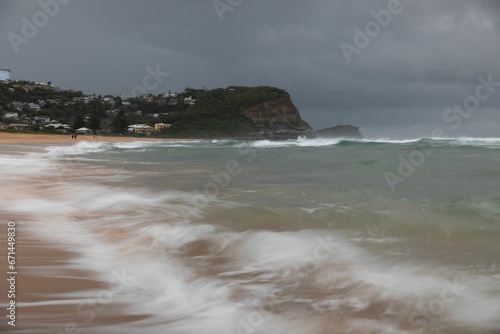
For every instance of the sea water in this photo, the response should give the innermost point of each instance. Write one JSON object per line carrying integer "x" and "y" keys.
{"x": 298, "y": 236}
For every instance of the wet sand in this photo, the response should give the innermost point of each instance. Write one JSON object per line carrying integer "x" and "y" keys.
{"x": 51, "y": 295}
{"x": 28, "y": 138}
{"x": 44, "y": 288}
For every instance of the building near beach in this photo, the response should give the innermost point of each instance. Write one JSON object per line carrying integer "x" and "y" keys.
{"x": 141, "y": 129}
{"x": 84, "y": 131}
{"x": 4, "y": 75}
{"x": 161, "y": 126}
{"x": 21, "y": 127}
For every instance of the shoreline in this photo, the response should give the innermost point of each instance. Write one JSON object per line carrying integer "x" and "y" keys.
{"x": 51, "y": 291}
{"x": 46, "y": 286}
{"x": 48, "y": 139}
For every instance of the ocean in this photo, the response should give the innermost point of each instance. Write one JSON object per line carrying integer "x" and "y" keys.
{"x": 300, "y": 236}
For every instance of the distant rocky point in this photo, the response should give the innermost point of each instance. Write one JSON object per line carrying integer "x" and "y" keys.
{"x": 339, "y": 131}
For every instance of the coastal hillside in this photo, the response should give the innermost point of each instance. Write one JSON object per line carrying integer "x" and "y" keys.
{"x": 240, "y": 112}
{"x": 233, "y": 112}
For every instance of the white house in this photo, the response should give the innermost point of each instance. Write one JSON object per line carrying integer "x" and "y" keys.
{"x": 189, "y": 101}
{"x": 12, "y": 115}
{"x": 84, "y": 131}
{"x": 109, "y": 100}
{"x": 34, "y": 107}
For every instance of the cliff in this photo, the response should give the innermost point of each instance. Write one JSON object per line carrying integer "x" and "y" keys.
{"x": 241, "y": 112}
{"x": 344, "y": 131}
{"x": 277, "y": 119}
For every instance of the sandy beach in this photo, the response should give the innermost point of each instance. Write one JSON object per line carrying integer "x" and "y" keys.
{"x": 28, "y": 138}
{"x": 42, "y": 282}
{"x": 45, "y": 286}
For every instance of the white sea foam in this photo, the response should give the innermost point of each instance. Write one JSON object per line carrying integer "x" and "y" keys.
{"x": 319, "y": 142}
{"x": 78, "y": 148}
{"x": 301, "y": 142}
{"x": 141, "y": 146}
{"x": 29, "y": 164}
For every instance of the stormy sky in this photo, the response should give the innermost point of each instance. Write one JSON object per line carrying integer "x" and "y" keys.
{"x": 394, "y": 68}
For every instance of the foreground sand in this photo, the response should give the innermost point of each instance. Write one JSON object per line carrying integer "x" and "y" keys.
{"x": 44, "y": 284}
{"x": 40, "y": 289}
{"x": 28, "y": 138}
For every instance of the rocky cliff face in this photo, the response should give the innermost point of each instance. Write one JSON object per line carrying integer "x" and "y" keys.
{"x": 277, "y": 119}
{"x": 344, "y": 131}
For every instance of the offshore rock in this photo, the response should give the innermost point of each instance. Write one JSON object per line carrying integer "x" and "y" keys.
{"x": 339, "y": 131}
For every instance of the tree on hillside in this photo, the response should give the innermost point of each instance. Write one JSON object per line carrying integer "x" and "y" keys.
{"x": 120, "y": 122}
{"x": 95, "y": 121}
{"x": 78, "y": 122}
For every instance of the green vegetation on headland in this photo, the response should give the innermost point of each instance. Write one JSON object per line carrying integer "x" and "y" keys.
{"x": 218, "y": 112}
{"x": 197, "y": 113}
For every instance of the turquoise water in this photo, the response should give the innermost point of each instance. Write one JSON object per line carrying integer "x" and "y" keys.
{"x": 303, "y": 236}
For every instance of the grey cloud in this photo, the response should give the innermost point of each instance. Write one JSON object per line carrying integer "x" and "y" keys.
{"x": 427, "y": 58}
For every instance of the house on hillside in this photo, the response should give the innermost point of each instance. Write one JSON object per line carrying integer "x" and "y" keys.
{"x": 161, "y": 101}
{"x": 161, "y": 126}
{"x": 140, "y": 129}
{"x": 109, "y": 100}
{"x": 34, "y": 106}
{"x": 21, "y": 127}
{"x": 42, "y": 119}
{"x": 11, "y": 115}
{"x": 17, "y": 105}
{"x": 84, "y": 131}
{"x": 189, "y": 101}
{"x": 147, "y": 98}
{"x": 59, "y": 127}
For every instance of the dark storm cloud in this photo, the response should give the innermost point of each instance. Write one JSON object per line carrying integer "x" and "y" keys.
{"x": 428, "y": 57}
